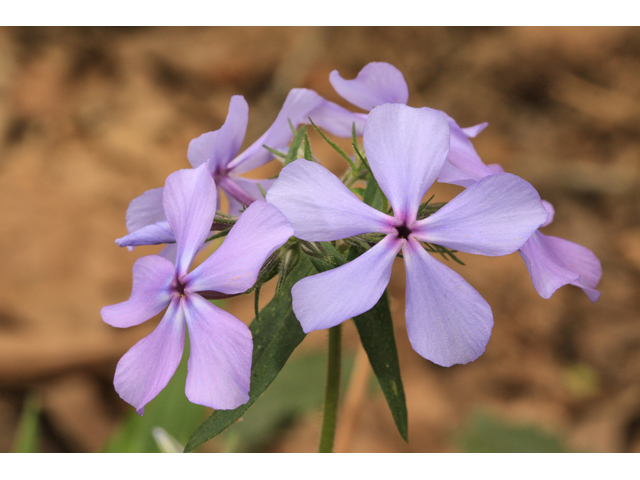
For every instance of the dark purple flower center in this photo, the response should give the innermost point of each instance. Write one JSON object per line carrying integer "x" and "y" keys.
{"x": 403, "y": 231}
{"x": 180, "y": 288}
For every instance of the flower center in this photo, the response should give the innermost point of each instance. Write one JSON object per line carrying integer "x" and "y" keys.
{"x": 403, "y": 231}
{"x": 179, "y": 287}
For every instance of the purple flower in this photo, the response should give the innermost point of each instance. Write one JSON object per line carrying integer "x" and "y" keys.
{"x": 221, "y": 345}
{"x": 146, "y": 220}
{"x": 448, "y": 322}
{"x": 552, "y": 262}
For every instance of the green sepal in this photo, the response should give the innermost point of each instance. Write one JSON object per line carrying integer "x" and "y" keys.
{"x": 275, "y": 337}
{"x": 307, "y": 149}
{"x": 276, "y": 153}
{"x": 295, "y": 145}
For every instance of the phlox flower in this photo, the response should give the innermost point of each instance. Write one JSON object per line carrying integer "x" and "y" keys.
{"x": 145, "y": 219}
{"x": 448, "y": 322}
{"x": 221, "y": 345}
{"x": 552, "y": 262}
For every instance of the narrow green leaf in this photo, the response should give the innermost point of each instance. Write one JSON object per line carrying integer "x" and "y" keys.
{"x": 375, "y": 328}
{"x": 276, "y": 153}
{"x": 295, "y": 145}
{"x": 334, "y": 146}
{"x": 275, "y": 337}
{"x": 26, "y": 439}
{"x": 307, "y": 149}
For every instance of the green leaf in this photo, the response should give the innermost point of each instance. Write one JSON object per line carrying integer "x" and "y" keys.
{"x": 275, "y": 337}
{"x": 375, "y": 328}
{"x": 295, "y": 145}
{"x": 26, "y": 440}
{"x": 334, "y": 146}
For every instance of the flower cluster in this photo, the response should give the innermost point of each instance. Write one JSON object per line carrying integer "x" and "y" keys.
{"x": 371, "y": 216}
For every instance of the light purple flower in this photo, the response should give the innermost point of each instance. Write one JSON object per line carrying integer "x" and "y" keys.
{"x": 448, "y": 322}
{"x": 379, "y": 83}
{"x": 146, "y": 222}
{"x": 221, "y": 345}
{"x": 552, "y": 262}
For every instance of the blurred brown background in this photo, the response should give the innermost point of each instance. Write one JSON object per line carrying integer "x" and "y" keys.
{"x": 91, "y": 118}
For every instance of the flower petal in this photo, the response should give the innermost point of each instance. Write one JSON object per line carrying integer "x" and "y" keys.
{"x": 337, "y": 120}
{"x": 406, "y": 148}
{"x": 329, "y": 298}
{"x": 234, "y": 266}
{"x": 473, "y": 131}
{"x": 153, "y": 234}
{"x": 149, "y": 365}
{"x": 220, "y": 358}
{"x": 448, "y": 321}
{"x": 375, "y": 84}
{"x": 553, "y": 262}
{"x": 190, "y": 204}
{"x": 219, "y": 147}
{"x": 145, "y": 210}
{"x": 150, "y": 294}
{"x": 320, "y": 207}
{"x": 296, "y": 108}
{"x": 494, "y": 216}
{"x": 241, "y": 191}
{"x": 463, "y": 155}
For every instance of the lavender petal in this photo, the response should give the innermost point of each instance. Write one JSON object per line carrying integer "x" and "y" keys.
{"x": 234, "y": 266}
{"x": 190, "y": 204}
{"x": 329, "y": 298}
{"x": 150, "y": 294}
{"x": 320, "y": 207}
{"x": 219, "y": 147}
{"x": 220, "y": 358}
{"x": 494, "y": 216}
{"x": 375, "y": 84}
{"x": 149, "y": 365}
{"x": 406, "y": 148}
{"x": 448, "y": 321}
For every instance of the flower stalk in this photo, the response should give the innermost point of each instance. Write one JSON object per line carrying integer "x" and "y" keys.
{"x": 332, "y": 391}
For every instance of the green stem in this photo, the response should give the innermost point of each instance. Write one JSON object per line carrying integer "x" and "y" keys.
{"x": 331, "y": 394}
